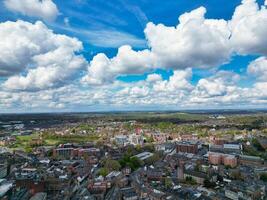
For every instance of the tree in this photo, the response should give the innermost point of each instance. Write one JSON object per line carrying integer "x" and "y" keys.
{"x": 198, "y": 167}
{"x": 256, "y": 144}
{"x": 149, "y": 139}
{"x": 138, "y": 148}
{"x": 149, "y": 147}
{"x": 263, "y": 177}
{"x": 130, "y": 150}
{"x": 190, "y": 180}
{"x": 132, "y": 162}
{"x": 73, "y": 130}
{"x": 151, "y": 160}
{"x": 168, "y": 182}
{"x": 103, "y": 171}
{"x": 208, "y": 184}
{"x": 135, "y": 163}
{"x": 112, "y": 165}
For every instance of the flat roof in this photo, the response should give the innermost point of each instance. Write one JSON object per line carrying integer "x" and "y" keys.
{"x": 144, "y": 155}
{"x": 4, "y": 188}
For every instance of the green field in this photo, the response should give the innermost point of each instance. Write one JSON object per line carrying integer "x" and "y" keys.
{"x": 25, "y": 142}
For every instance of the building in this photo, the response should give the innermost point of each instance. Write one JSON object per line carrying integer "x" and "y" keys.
{"x": 3, "y": 170}
{"x": 126, "y": 171}
{"x": 187, "y": 147}
{"x": 199, "y": 177}
{"x": 230, "y": 160}
{"x": 5, "y": 188}
{"x": 121, "y": 140}
{"x": 29, "y": 179}
{"x": 63, "y": 152}
{"x": 128, "y": 194}
{"x": 39, "y": 196}
{"x": 165, "y": 147}
{"x": 215, "y": 158}
{"x": 154, "y": 175}
{"x": 232, "y": 148}
{"x": 98, "y": 189}
{"x": 188, "y": 137}
{"x": 135, "y": 139}
{"x": 88, "y": 152}
{"x": 114, "y": 176}
{"x": 159, "y": 137}
{"x": 180, "y": 170}
{"x": 219, "y": 158}
{"x": 226, "y": 148}
{"x": 216, "y": 148}
{"x": 21, "y": 194}
{"x": 250, "y": 160}
{"x": 144, "y": 155}
{"x": 219, "y": 141}
{"x": 250, "y": 191}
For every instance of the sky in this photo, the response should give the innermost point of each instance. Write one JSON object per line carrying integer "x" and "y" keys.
{"x": 98, "y": 55}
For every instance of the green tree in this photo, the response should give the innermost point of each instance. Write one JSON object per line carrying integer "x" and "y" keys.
{"x": 190, "y": 180}
{"x": 103, "y": 171}
{"x": 263, "y": 177}
{"x": 132, "y": 162}
{"x": 112, "y": 165}
{"x": 151, "y": 160}
{"x": 168, "y": 182}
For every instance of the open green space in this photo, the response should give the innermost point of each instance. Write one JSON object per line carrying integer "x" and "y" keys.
{"x": 50, "y": 139}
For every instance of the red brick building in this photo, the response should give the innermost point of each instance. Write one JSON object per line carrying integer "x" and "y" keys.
{"x": 187, "y": 147}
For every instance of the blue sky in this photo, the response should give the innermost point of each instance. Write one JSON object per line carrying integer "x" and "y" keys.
{"x": 200, "y": 59}
{"x": 121, "y": 16}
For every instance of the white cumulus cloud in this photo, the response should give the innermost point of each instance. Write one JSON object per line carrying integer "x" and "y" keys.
{"x": 35, "y": 58}
{"x": 127, "y": 61}
{"x": 248, "y": 27}
{"x": 45, "y": 9}
{"x": 258, "y": 68}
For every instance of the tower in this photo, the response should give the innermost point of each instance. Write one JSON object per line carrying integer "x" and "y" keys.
{"x": 180, "y": 170}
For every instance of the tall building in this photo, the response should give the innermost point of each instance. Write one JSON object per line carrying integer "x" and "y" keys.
{"x": 180, "y": 170}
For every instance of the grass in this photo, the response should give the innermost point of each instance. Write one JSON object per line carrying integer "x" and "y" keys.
{"x": 24, "y": 142}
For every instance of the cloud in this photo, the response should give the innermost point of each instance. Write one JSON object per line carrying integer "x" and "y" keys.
{"x": 66, "y": 21}
{"x": 194, "y": 42}
{"x": 180, "y": 80}
{"x": 216, "y": 85}
{"x": 137, "y": 12}
{"x": 46, "y": 59}
{"x": 154, "y": 78}
{"x": 260, "y": 90}
{"x": 43, "y": 69}
{"x": 44, "y": 9}
{"x": 127, "y": 61}
{"x": 258, "y": 69}
{"x": 220, "y": 90}
{"x": 107, "y": 38}
{"x": 113, "y": 38}
{"x": 53, "y": 69}
{"x": 248, "y": 27}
